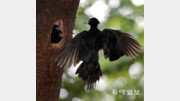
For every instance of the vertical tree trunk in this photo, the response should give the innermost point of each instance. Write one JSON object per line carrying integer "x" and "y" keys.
{"x": 48, "y": 76}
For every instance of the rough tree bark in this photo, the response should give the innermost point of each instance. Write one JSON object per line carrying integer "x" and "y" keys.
{"x": 48, "y": 76}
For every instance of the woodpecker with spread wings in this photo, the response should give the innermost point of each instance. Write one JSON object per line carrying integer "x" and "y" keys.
{"x": 86, "y": 45}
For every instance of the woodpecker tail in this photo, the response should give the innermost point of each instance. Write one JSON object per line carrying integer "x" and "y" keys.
{"x": 89, "y": 73}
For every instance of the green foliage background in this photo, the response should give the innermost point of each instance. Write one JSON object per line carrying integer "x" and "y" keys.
{"x": 116, "y": 75}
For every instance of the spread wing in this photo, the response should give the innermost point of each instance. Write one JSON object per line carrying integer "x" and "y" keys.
{"x": 117, "y": 44}
{"x": 71, "y": 52}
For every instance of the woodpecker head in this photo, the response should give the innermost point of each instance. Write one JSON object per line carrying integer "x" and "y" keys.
{"x": 93, "y": 22}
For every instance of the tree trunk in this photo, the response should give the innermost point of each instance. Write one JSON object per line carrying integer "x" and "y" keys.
{"x": 48, "y": 76}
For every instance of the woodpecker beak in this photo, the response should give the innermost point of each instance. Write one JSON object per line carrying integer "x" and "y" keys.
{"x": 85, "y": 22}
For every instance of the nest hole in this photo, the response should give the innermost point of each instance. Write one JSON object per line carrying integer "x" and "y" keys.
{"x": 56, "y": 33}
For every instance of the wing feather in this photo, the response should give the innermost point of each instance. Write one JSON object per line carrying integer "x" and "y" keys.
{"x": 128, "y": 45}
{"x": 69, "y": 53}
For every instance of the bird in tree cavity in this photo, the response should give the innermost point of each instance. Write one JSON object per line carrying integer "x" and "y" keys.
{"x": 56, "y": 35}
